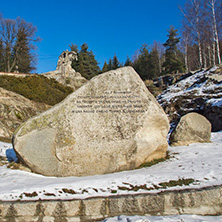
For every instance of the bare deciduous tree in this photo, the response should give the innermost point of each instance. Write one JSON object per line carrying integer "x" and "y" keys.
{"x": 211, "y": 4}
{"x": 17, "y": 37}
{"x": 161, "y": 53}
{"x": 8, "y": 34}
{"x": 200, "y": 28}
{"x": 193, "y": 21}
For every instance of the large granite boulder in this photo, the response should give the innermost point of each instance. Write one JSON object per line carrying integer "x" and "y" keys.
{"x": 112, "y": 123}
{"x": 192, "y": 128}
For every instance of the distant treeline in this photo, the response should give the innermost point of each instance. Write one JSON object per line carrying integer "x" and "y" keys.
{"x": 197, "y": 45}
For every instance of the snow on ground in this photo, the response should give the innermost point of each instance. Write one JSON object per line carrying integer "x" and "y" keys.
{"x": 198, "y": 164}
{"x": 175, "y": 218}
{"x": 4, "y": 147}
{"x": 195, "y": 85}
{"x": 215, "y": 102}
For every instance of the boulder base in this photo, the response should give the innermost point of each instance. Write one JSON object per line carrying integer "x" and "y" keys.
{"x": 112, "y": 123}
{"x": 192, "y": 128}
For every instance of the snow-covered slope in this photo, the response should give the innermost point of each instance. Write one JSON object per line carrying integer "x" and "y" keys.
{"x": 174, "y": 218}
{"x": 200, "y": 92}
{"x": 197, "y": 165}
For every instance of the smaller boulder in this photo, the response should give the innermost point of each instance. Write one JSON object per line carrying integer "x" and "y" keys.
{"x": 192, "y": 128}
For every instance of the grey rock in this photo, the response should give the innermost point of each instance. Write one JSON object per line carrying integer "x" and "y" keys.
{"x": 64, "y": 72}
{"x": 110, "y": 124}
{"x": 192, "y": 128}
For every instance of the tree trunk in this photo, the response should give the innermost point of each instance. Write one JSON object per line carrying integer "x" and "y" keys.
{"x": 216, "y": 40}
{"x": 200, "y": 51}
{"x": 209, "y": 55}
{"x": 186, "y": 57}
{"x": 204, "y": 57}
{"x": 213, "y": 54}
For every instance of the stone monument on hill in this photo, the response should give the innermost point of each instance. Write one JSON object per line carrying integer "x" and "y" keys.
{"x": 64, "y": 72}
{"x": 110, "y": 124}
{"x": 64, "y": 64}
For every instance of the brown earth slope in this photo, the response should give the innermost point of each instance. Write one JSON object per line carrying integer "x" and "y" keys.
{"x": 14, "y": 110}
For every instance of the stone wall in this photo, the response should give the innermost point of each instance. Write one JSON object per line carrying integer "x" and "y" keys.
{"x": 207, "y": 201}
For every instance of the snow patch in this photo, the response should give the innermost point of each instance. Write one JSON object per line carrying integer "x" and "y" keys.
{"x": 215, "y": 102}
{"x": 198, "y": 163}
{"x": 4, "y": 147}
{"x": 174, "y": 218}
{"x": 195, "y": 85}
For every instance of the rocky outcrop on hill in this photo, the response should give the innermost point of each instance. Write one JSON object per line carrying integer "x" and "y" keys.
{"x": 112, "y": 123}
{"x": 14, "y": 110}
{"x": 64, "y": 72}
{"x": 199, "y": 92}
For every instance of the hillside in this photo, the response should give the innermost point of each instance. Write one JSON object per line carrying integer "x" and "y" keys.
{"x": 14, "y": 110}
{"x": 36, "y": 87}
{"x": 23, "y": 96}
{"x": 200, "y": 92}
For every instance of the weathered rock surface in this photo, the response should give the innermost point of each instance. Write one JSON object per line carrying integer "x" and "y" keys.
{"x": 64, "y": 72}
{"x": 110, "y": 124}
{"x": 200, "y": 92}
{"x": 192, "y": 128}
{"x": 213, "y": 112}
{"x": 16, "y": 109}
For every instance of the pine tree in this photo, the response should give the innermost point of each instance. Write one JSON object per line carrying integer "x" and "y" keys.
{"x": 74, "y": 47}
{"x": 154, "y": 63}
{"x": 86, "y": 63}
{"x": 75, "y": 62}
{"x": 128, "y": 62}
{"x": 22, "y": 53}
{"x": 172, "y": 63}
{"x": 142, "y": 63}
{"x": 105, "y": 67}
{"x": 115, "y": 62}
{"x": 110, "y": 64}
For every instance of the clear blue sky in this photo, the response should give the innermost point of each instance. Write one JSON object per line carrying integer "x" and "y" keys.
{"x": 108, "y": 27}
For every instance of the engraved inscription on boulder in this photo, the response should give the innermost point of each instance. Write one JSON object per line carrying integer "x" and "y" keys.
{"x": 110, "y": 124}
